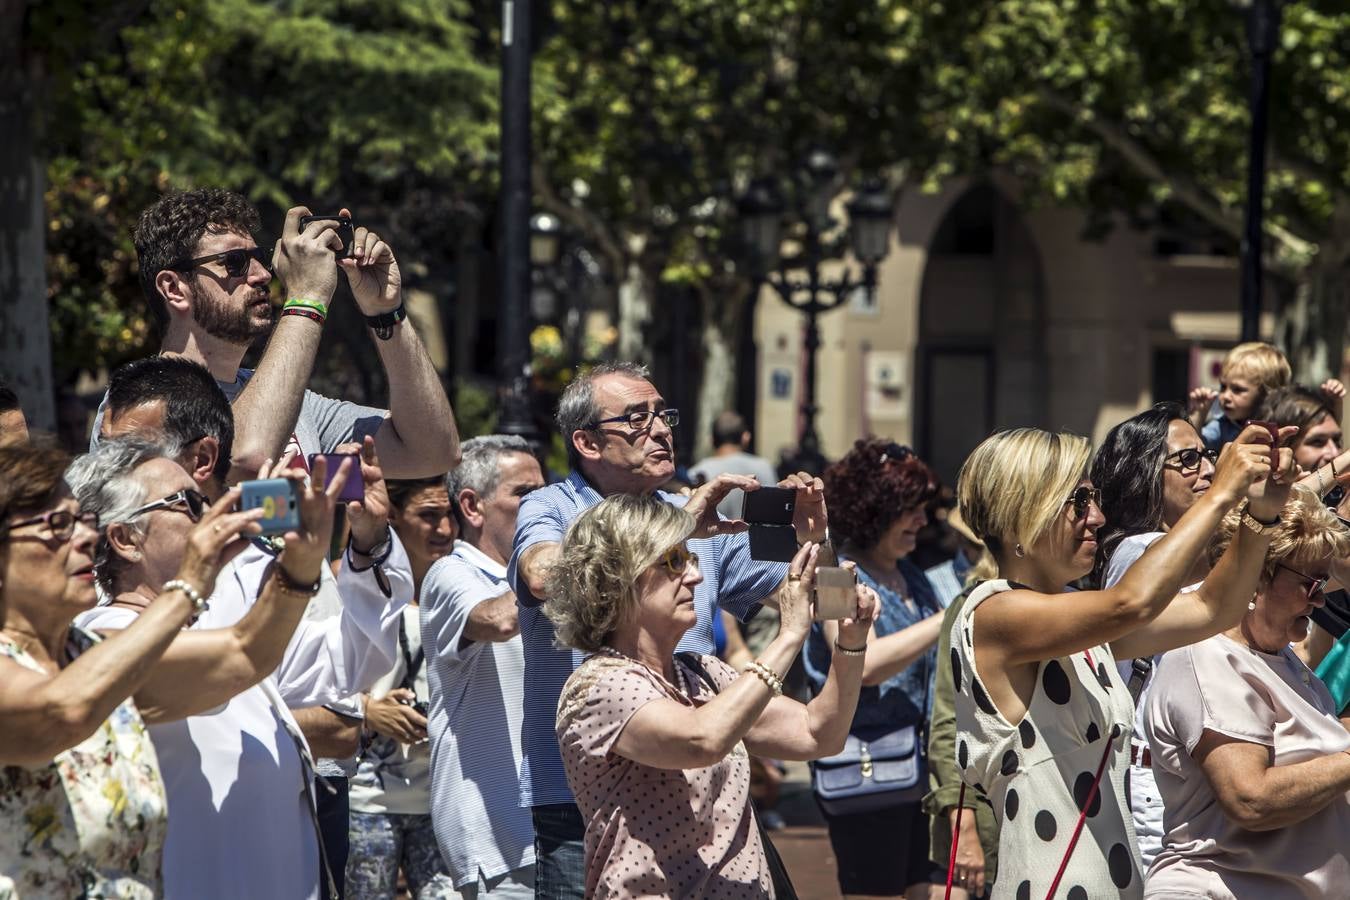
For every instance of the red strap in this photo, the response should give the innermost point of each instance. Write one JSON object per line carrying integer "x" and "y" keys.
{"x": 956, "y": 838}
{"x": 1082, "y": 817}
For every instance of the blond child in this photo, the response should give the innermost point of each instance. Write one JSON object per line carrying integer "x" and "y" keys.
{"x": 1249, "y": 372}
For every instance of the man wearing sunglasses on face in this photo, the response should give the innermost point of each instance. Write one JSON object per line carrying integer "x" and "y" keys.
{"x": 208, "y": 285}
{"x": 620, "y": 440}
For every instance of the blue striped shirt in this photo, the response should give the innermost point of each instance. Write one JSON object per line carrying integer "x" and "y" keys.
{"x": 731, "y": 579}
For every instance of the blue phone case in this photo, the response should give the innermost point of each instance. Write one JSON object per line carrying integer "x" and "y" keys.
{"x": 277, "y": 498}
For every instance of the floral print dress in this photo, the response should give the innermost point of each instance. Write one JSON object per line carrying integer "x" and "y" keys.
{"x": 90, "y": 823}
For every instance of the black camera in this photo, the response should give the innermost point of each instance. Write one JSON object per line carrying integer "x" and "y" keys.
{"x": 344, "y": 231}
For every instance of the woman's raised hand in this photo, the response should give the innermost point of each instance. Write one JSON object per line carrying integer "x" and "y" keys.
{"x": 854, "y": 632}
{"x": 1243, "y": 463}
{"x": 796, "y": 595}
{"x": 218, "y": 538}
{"x": 307, "y": 546}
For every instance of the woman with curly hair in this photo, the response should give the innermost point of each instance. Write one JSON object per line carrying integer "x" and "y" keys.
{"x": 655, "y": 743}
{"x": 878, "y": 495}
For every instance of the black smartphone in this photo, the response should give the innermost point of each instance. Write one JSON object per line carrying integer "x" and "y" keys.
{"x": 769, "y": 506}
{"x": 344, "y": 231}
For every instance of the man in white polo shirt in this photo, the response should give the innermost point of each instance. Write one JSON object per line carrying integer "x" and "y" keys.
{"x": 475, "y": 666}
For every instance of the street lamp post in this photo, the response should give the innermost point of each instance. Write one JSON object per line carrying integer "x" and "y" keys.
{"x": 797, "y": 279}
{"x": 1263, "y": 26}
{"x": 513, "y": 330}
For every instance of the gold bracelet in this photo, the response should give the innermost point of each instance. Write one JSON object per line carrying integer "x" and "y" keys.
{"x": 766, "y": 675}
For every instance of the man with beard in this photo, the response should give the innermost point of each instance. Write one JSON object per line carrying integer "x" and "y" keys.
{"x": 620, "y": 440}
{"x": 207, "y": 285}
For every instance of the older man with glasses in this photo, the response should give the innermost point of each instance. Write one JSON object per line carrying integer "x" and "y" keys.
{"x": 618, "y": 432}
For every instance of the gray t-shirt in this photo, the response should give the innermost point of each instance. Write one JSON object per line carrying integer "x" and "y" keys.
{"x": 735, "y": 464}
{"x": 324, "y": 423}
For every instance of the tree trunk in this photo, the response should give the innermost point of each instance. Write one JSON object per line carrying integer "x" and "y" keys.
{"x": 637, "y": 291}
{"x": 25, "y": 328}
{"x": 1311, "y": 324}
{"x": 723, "y": 306}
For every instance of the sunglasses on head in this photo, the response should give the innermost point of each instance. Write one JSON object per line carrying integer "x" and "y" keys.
{"x": 1312, "y": 584}
{"x": 1080, "y": 499}
{"x": 236, "y": 261}
{"x": 1188, "y": 460}
{"x": 678, "y": 558}
{"x": 187, "y": 501}
{"x": 895, "y": 452}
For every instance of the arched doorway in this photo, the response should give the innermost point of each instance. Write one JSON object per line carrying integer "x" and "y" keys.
{"x": 981, "y": 358}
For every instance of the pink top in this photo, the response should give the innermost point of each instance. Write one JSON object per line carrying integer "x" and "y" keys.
{"x": 656, "y": 832}
{"x": 1271, "y": 699}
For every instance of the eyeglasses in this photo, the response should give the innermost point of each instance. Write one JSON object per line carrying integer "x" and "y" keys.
{"x": 1080, "y": 499}
{"x": 678, "y": 558}
{"x": 1312, "y": 584}
{"x": 194, "y": 504}
{"x": 1188, "y": 460}
{"x": 60, "y": 522}
{"x": 895, "y": 453}
{"x": 642, "y": 419}
{"x": 236, "y": 261}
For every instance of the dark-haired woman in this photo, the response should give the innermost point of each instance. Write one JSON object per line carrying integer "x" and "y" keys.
{"x": 878, "y": 494}
{"x": 1318, "y": 440}
{"x": 1151, "y": 469}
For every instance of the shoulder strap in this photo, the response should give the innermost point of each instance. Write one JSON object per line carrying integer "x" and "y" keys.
{"x": 412, "y": 662}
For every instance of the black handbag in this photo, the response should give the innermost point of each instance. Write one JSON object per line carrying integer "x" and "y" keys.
{"x": 877, "y": 769}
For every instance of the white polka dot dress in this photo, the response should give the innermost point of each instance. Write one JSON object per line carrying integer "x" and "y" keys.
{"x": 1038, "y": 774}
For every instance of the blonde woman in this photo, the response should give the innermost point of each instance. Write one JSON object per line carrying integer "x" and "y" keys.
{"x": 1043, "y": 718}
{"x": 1250, "y": 758}
{"x": 654, "y": 745}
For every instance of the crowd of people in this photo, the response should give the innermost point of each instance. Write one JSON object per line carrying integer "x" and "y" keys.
{"x": 447, "y": 675}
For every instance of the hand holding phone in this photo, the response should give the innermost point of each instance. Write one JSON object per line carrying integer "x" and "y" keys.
{"x": 278, "y": 500}
{"x": 769, "y": 512}
{"x": 354, "y": 490}
{"x": 343, "y": 231}
{"x": 1274, "y": 430}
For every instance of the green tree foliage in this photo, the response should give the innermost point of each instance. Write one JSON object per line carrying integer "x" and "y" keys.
{"x": 1134, "y": 106}
{"x": 379, "y": 105}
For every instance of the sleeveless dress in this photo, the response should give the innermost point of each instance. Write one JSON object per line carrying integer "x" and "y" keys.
{"x": 91, "y": 822}
{"x": 1039, "y": 772}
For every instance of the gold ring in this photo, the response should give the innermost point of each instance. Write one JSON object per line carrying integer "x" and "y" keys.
{"x": 218, "y": 527}
{"x": 794, "y": 576}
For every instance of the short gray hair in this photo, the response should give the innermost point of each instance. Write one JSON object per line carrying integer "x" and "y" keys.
{"x": 480, "y": 467}
{"x": 104, "y": 482}
{"x": 577, "y": 409}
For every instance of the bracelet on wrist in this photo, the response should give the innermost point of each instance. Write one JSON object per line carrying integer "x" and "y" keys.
{"x": 288, "y": 585}
{"x": 306, "y": 313}
{"x": 302, "y": 303}
{"x": 766, "y": 675}
{"x": 199, "y": 604}
{"x": 1255, "y": 525}
{"x": 851, "y": 651}
{"x": 383, "y": 324}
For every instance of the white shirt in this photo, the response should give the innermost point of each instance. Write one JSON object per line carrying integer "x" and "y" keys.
{"x": 476, "y": 711}
{"x": 238, "y": 826}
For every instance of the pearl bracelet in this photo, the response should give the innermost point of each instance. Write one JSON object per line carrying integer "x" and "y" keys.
{"x": 767, "y": 675}
{"x": 194, "y": 596}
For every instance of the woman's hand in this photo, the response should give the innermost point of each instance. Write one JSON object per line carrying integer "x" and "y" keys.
{"x": 394, "y": 716}
{"x": 809, "y": 518}
{"x": 1242, "y": 463}
{"x": 219, "y": 537}
{"x": 306, "y": 547}
{"x": 968, "y": 872}
{"x": 369, "y": 518}
{"x": 853, "y": 633}
{"x": 795, "y": 596}
{"x": 1269, "y": 495}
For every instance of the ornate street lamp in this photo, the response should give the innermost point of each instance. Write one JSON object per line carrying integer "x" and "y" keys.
{"x": 1263, "y": 30}
{"x": 797, "y": 279}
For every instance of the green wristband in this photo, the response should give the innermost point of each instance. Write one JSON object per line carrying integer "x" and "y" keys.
{"x": 320, "y": 308}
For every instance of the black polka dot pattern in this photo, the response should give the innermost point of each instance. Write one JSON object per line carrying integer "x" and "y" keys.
{"x": 1027, "y": 732}
{"x": 1093, "y": 733}
{"x": 1129, "y": 796}
{"x": 1009, "y": 764}
{"x": 1010, "y": 804}
{"x": 1024, "y": 891}
{"x": 1046, "y": 826}
{"x": 963, "y": 753}
{"x": 981, "y": 698}
{"x": 1077, "y": 893}
{"x": 1120, "y": 864}
{"x": 956, "y": 669}
{"x": 1082, "y": 786}
{"x": 1056, "y": 683}
{"x": 1102, "y": 676}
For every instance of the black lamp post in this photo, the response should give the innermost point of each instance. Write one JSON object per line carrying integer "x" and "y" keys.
{"x": 513, "y": 331}
{"x": 797, "y": 278}
{"x": 1263, "y": 28}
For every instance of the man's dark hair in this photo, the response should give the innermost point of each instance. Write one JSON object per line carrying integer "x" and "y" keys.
{"x": 728, "y": 428}
{"x": 8, "y": 399}
{"x": 194, "y": 405}
{"x": 168, "y": 231}
{"x": 1128, "y": 470}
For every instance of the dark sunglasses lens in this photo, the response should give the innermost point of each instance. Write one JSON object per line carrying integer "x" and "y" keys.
{"x": 196, "y": 504}
{"x": 236, "y": 262}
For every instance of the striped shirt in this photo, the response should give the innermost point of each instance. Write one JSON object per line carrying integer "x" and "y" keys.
{"x": 731, "y": 579}
{"x": 474, "y": 723}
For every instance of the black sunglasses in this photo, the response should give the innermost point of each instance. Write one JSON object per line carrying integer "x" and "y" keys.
{"x": 1311, "y": 583}
{"x": 1080, "y": 499}
{"x": 1188, "y": 460}
{"x": 236, "y": 261}
{"x": 60, "y": 522}
{"x": 895, "y": 452}
{"x": 187, "y": 501}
